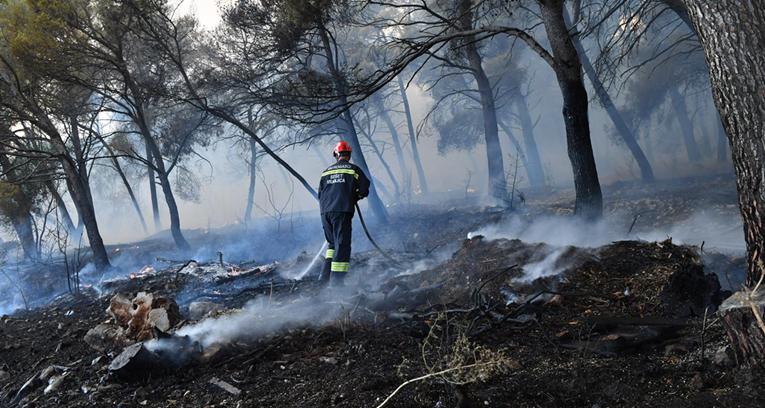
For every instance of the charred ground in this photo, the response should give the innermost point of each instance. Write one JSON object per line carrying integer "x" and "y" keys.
{"x": 560, "y": 349}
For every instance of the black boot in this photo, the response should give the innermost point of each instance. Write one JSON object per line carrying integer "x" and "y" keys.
{"x": 337, "y": 280}
{"x": 326, "y": 270}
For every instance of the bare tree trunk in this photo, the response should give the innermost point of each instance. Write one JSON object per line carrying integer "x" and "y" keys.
{"x": 473, "y": 162}
{"x": 517, "y": 146}
{"x": 679, "y": 8}
{"x": 722, "y": 143}
{"x": 705, "y": 144}
{"x": 81, "y": 199}
{"x": 497, "y": 184}
{"x": 253, "y": 168}
{"x": 125, "y": 182}
{"x": 24, "y": 230}
{"x": 79, "y": 156}
{"x": 61, "y": 204}
{"x": 253, "y": 174}
{"x": 153, "y": 191}
{"x": 384, "y": 190}
{"x": 646, "y": 172}
{"x": 167, "y": 190}
{"x": 536, "y": 172}
{"x": 133, "y": 198}
{"x": 648, "y": 145}
{"x": 589, "y": 198}
{"x": 412, "y": 137}
{"x": 731, "y": 35}
{"x": 393, "y": 135}
{"x": 383, "y": 161}
{"x": 22, "y": 221}
{"x": 172, "y": 206}
{"x": 686, "y": 126}
{"x": 75, "y": 183}
{"x": 358, "y": 157}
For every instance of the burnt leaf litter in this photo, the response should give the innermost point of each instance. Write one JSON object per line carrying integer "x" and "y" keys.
{"x": 622, "y": 324}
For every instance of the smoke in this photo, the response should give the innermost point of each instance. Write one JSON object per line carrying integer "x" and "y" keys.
{"x": 544, "y": 268}
{"x": 259, "y": 318}
{"x": 716, "y": 231}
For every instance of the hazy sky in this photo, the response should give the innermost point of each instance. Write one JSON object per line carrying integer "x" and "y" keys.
{"x": 206, "y": 10}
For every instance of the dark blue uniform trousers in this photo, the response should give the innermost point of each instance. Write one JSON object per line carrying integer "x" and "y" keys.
{"x": 337, "y": 231}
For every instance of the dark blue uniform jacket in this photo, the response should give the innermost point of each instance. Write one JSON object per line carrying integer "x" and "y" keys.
{"x": 341, "y": 186}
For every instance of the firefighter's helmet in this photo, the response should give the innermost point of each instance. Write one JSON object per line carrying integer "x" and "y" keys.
{"x": 341, "y": 147}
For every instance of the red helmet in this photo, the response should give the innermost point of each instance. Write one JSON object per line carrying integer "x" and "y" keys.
{"x": 342, "y": 147}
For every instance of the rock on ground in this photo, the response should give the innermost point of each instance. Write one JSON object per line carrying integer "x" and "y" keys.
{"x": 198, "y": 310}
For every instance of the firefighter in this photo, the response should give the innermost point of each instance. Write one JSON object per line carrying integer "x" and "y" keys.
{"x": 341, "y": 186}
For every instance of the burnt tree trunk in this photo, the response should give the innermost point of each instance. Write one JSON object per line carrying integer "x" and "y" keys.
{"x": 24, "y": 228}
{"x": 705, "y": 144}
{"x": 473, "y": 162}
{"x": 79, "y": 156}
{"x": 253, "y": 177}
{"x": 66, "y": 218}
{"x": 126, "y": 183}
{"x": 517, "y": 146}
{"x": 679, "y": 8}
{"x": 536, "y": 172}
{"x": 79, "y": 192}
{"x": 412, "y": 137}
{"x": 646, "y": 172}
{"x": 394, "y": 136}
{"x": 722, "y": 143}
{"x": 153, "y": 190}
{"x": 743, "y": 328}
{"x": 252, "y": 169}
{"x": 648, "y": 145}
{"x": 379, "y": 155}
{"x": 731, "y": 35}
{"x": 568, "y": 71}
{"x": 80, "y": 195}
{"x": 686, "y": 126}
{"x": 375, "y": 203}
{"x": 164, "y": 182}
{"x": 497, "y": 184}
{"x": 22, "y": 220}
{"x": 384, "y": 190}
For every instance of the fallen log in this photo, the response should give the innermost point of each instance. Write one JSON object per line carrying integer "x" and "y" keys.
{"x": 742, "y": 314}
{"x": 264, "y": 286}
{"x": 170, "y": 261}
{"x": 219, "y": 280}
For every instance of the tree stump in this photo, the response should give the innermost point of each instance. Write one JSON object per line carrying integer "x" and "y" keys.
{"x": 744, "y": 332}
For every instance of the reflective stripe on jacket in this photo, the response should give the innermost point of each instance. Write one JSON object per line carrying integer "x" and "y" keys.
{"x": 341, "y": 186}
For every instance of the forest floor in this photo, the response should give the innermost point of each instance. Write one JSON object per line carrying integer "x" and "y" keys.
{"x": 573, "y": 325}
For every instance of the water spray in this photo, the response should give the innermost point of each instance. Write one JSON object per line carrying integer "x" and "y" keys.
{"x": 315, "y": 258}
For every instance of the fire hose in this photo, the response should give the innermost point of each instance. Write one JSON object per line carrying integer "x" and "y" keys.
{"x": 374, "y": 244}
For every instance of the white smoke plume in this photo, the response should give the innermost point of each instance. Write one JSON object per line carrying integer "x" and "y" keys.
{"x": 716, "y": 232}
{"x": 544, "y": 268}
{"x": 259, "y": 318}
